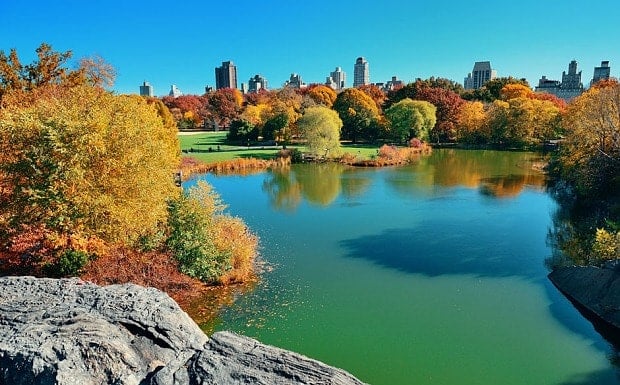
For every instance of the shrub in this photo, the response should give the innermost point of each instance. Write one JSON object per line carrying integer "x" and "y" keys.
{"x": 415, "y": 143}
{"x": 606, "y": 245}
{"x": 70, "y": 263}
{"x": 208, "y": 244}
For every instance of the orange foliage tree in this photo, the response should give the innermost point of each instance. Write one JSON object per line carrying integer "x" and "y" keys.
{"x": 322, "y": 95}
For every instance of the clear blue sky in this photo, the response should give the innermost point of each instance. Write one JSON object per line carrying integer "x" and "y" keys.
{"x": 181, "y": 42}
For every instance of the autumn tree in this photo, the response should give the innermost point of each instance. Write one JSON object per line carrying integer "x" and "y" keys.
{"x": 207, "y": 243}
{"x": 84, "y": 162}
{"x": 590, "y": 156}
{"x": 322, "y": 95}
{"x": 256, "y": 114}
{"x": 471, "y": 123}
{"x": 189, "y": 110}
{"x": 447, "y": 102}
{"x": 498, "y": 121}
{"x": 97, "y": 72}
{"x": 444, "y": 83}
{"x": 410, "y": 119}
{"x": 287, "y": 103}
{"x": 48, "y": 69}
{"x": 558, "y": 102}
{"x": 515, "y": 90}
{"x": 225, "y": 105}
{"x": 531, "y": 121}
{"x": 376, "y": 93}
{"x": 359, "y": 114}
{"x": 522, "y": 121}
{"x": 320, "y": 126}
{"x": 494, "y": 86}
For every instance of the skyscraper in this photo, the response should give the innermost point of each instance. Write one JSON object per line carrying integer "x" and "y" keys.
{"x": 602, "y": 72}
{"x": 146, "y": 89}
{"x": 175, "y": 91}
{"x": 257, "y": 83}
{"x": 226, "y": 75}
{"x": 567, "y": 89}
{"x": 481, "y": 74}
{"x": 339, "y": 77}
{"x": 361, "y": 75}
{"x": 295, "y": 81}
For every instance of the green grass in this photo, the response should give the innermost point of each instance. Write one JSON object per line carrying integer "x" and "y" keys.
{"x": 220, "y": 151}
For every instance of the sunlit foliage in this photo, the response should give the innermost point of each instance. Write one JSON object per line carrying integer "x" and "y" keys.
{"x": 411, "y": 119}
{"x": 321, "y": 126}
{"x": 359, "y": 114}
{"x": 78, "y": 162}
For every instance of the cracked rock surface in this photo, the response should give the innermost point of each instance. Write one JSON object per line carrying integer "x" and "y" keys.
{"x": 66, "y": 331}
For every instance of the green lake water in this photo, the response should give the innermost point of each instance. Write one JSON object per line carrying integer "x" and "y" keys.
{"x": 432, "y": 273}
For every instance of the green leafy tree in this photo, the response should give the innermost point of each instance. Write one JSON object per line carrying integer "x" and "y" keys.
{"x": 411, "y": 119}
{"x": 191, "y": 222}
{"x": 321, "y": 128}
{"x": 242, "y": 130}
{"x": 275, "y": 126}
{"x": 359, "y": 114}
{"x": 448, "y": 105}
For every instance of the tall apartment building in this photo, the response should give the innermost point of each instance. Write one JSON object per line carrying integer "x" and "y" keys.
{"x": 602, "y": 72}
{"x": 226, "y": 75}
{"x": 175, "y": 92}
{"x": 257, "y": 83}
{"x": 361, "y": 74}
{"x": 567, "y": 89}
{"x": 481, "y": 74}
{"x": 146, "y": 89}
{"x": 295, "y": 81}
{"x": 394, "y": 84}
{"x": 339, "y": 78}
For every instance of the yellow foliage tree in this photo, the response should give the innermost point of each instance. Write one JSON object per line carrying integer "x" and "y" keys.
{"x": 323, "y": 95}
{"x": 591, "y": 151}
{"x": 85, "y": 161}
{"x": 471, "y": 123}
{"x": 515, "y": 90}
{"x": 256, "y": 114}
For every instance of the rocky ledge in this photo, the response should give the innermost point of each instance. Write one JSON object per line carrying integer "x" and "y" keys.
{"x": 71, "y": 332}
{"x": 596, "y": 289}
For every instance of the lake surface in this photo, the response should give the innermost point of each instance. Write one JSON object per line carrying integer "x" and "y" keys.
{"x": 432, "y": 273}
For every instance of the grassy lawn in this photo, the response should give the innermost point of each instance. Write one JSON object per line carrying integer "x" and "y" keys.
{"x": 200, "y": 144}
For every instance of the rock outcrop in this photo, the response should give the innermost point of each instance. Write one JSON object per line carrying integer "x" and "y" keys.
{"x": 71, "y": 332}
{"x": 596, "y": 289}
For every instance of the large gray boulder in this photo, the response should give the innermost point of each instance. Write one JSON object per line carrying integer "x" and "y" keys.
{"x": 596, "y": 289}
{"x": 71, "y": 332}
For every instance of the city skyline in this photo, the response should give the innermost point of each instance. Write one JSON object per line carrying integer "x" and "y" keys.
{"x": 144, "y": 42}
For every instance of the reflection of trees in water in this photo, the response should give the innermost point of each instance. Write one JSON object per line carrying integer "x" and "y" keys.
{"x": 205, "y": 308}
{"x": 283, "y": 190}
{"x": 498, "y": 174}
{"x": 319, "y": 184}
{"x": 354, "y": 183}
{"x": 573, "y": 227}
{"x": 510, "y": 185}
